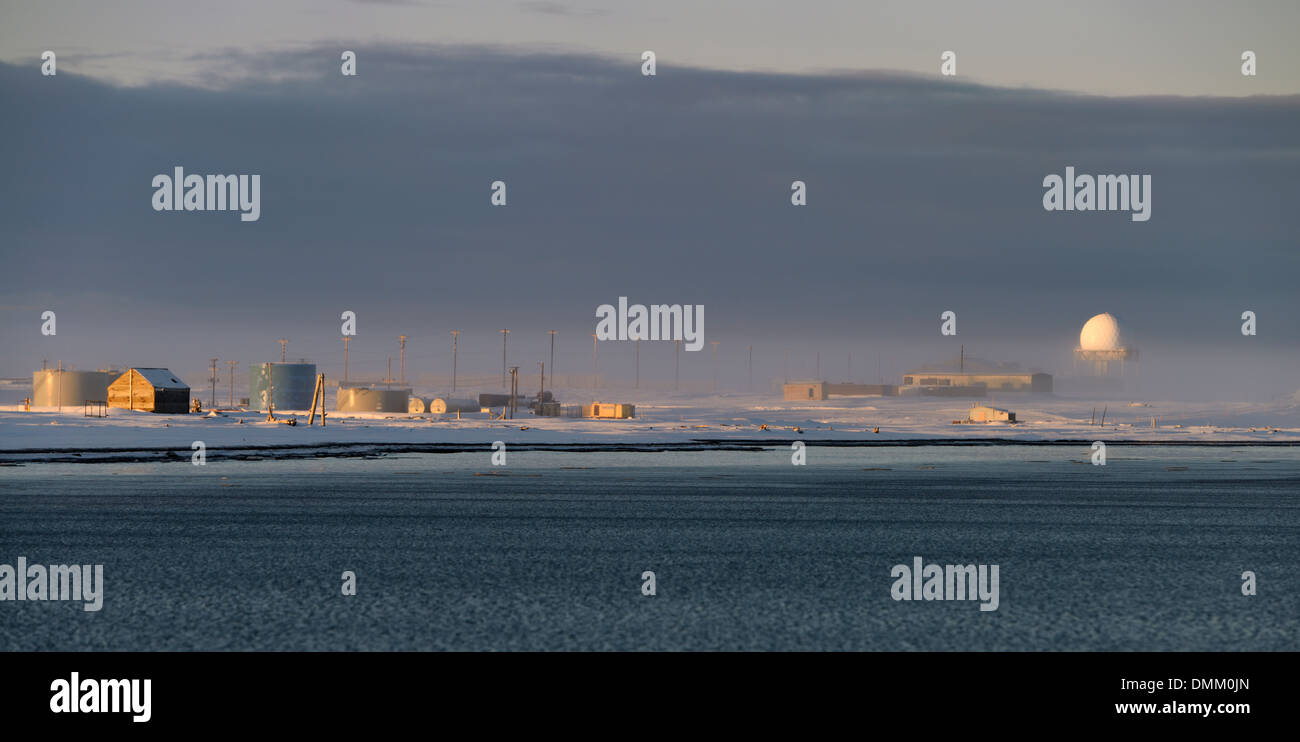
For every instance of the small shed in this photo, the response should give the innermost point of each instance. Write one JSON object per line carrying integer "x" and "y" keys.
{"x": 609, "y": 410}
{"x": 984, "y": 414}
{"x": 150, "y": 390}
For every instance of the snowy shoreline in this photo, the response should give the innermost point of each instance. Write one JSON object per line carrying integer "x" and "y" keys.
{"x": 719, "y": 422}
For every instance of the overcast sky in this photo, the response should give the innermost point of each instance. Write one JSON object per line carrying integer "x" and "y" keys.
{"x": 1108, "y": 47}
{"x": 925, "y": 192}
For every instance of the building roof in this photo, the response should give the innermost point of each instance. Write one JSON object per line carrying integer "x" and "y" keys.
{"x": 161, "y": 378}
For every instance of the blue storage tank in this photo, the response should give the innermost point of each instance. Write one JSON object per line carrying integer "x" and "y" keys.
{"x": 293, "y": 385}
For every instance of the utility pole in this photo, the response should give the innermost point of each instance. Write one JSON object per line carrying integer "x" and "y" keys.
{"x": 345, "y": 358}
{"x": 595, "y": 364}
{"x": 455, "y": 336}
{"x": 283, "y": 344}
{"x": 552, "y": 332}
{"x": 232, "y": 365}
{"x": 637, "y": 344}
{"x": 402, "y": 339}
{"x": 504, "y": 335}
{"x": 541, "y": 392}
{"x": 213, "y": 402}
{"x": 514, "y": 390}
{"x": 714, "y": 343}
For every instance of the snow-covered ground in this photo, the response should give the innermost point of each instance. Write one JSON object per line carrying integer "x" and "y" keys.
{"x": 668, "y": 419}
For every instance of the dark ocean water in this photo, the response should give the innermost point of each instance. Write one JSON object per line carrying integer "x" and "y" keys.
{"x": 1145, "y": 553}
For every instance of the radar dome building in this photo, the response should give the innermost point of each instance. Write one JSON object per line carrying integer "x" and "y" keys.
{"x": 1102, "y": 344}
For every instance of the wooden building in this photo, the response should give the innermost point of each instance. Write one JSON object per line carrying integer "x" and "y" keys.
{"x": 149, "y": 390}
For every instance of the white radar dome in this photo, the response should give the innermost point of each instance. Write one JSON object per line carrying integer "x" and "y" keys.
{"x": 1101, "y": 333}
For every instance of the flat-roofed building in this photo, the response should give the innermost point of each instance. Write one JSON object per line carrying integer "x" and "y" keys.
{"x": 804, "y": 391}
{"x": 981, "y": 413}
{"x": 991, "y": 381}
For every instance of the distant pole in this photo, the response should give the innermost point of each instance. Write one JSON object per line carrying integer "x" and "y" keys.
{"x": 402, "y": 340}
{"x": 232, "y": 381}
{"x": 455, "y": 336}
{"x": 283, "y": 344}
{"x": 552, "y": 332}
{"x": 388, "y": 377}
{"x": 213, "y": 402}
{"x": 345, "y": 358}
{"x": 59, "y": 387}
{"x": 541, "y": 391}
{"x": 514, "y": 389}
{"x": 715, "y": 365}
{"x": 637, "y": 345}
{"x": 595, "y": 364}
{"x": 504, "y": 334}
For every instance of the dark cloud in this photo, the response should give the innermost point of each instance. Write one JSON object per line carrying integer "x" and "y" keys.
{"x": 924, "y": 195}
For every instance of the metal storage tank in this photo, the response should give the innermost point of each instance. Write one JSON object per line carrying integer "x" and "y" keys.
{"x": 52, "y": 387}
{"x": 293, "y": 384}
{"x": 442, "y": 405}
{"x": 364, "y": 399}
{"x": 415, "y": 406}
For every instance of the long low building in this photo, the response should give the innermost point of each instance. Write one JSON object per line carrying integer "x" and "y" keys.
{"x": 796, "y": 391}
{"x": 991, "y": 381}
